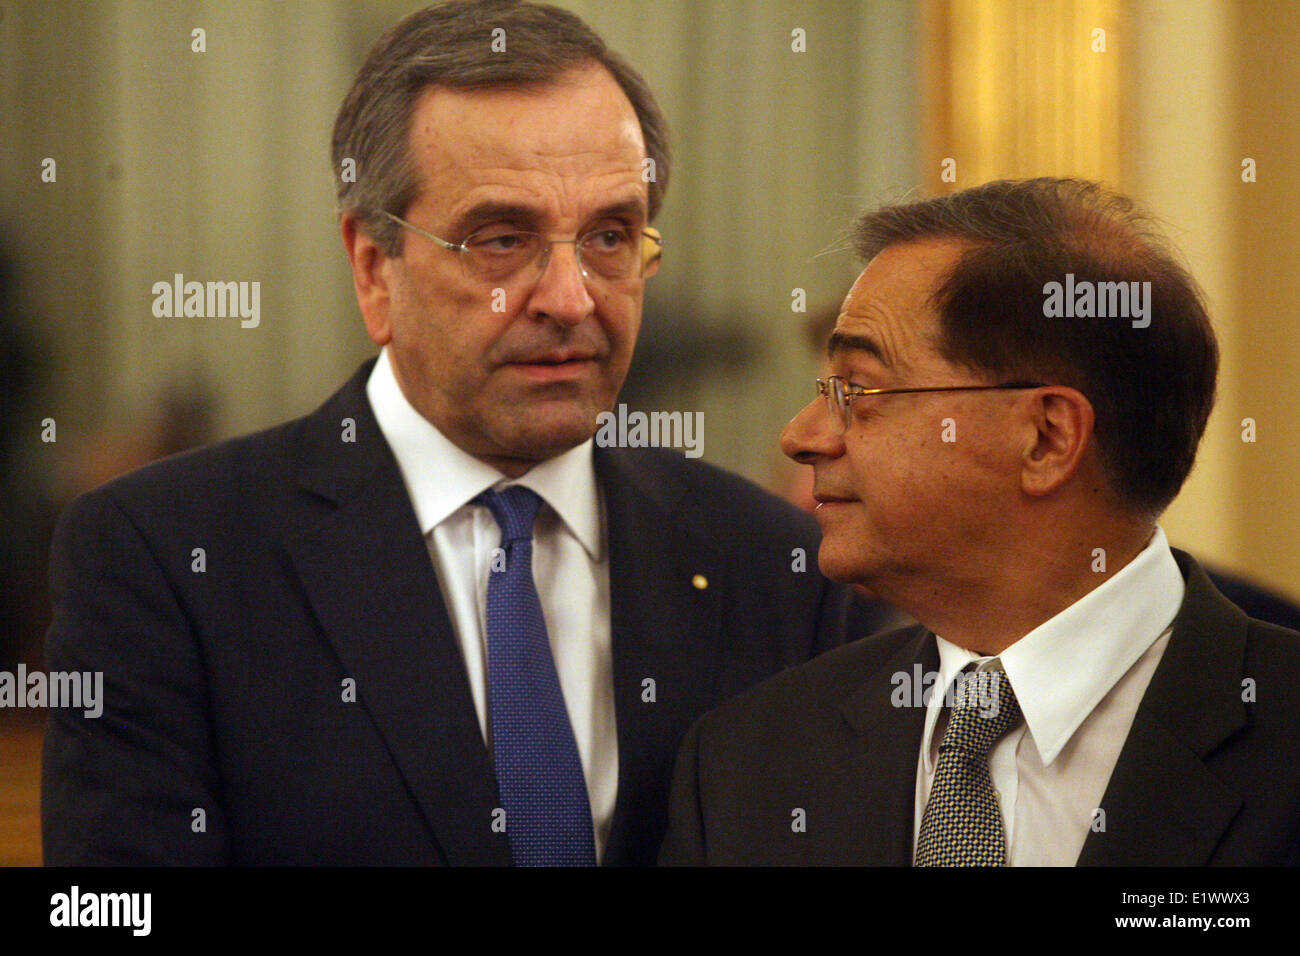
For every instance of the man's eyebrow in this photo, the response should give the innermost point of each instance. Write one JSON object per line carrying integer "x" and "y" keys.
{"x": 629, "y": 209}
{"x": 529, "y": 218}
{"x": 841, "y": 342}
{"x": 486, "y": 212}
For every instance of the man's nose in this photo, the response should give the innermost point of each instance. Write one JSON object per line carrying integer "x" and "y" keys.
{"x": 810, "y": 435}
{"x": 561, "y": 291}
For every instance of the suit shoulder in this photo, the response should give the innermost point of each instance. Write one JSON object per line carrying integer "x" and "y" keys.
{"x": 262, "y": 453}
{"x": 723, "y": 499}
{"x": 823, "y": 681}
{"x": 1275, "y": 649}
{"x": 702, "y": 474}
{"x": 247, "y": 481}
{"x": 257, "y": 467}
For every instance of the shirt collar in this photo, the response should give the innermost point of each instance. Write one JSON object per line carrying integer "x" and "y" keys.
{"x": 441, "y": 477}
{"x": 1061, "y": 670}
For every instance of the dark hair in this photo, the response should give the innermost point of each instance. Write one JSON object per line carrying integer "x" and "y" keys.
{"x": 450, "y": 45}
{"x": 1152, "y": 388}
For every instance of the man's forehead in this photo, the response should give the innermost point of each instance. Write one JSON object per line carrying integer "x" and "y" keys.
{"x": 564, "y": 152}
{"x": 539, "y": 119}
{"x": 888, "y": 314}
{"x": 875, "y": 322}
{"x": 580, "y": 131}
{"x": 904, "y": 275}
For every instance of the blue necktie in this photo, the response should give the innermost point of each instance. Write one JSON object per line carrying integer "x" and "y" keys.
{"x": 539, "y": 772}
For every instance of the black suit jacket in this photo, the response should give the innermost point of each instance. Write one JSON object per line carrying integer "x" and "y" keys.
{"x": 1204, "y": 777}
{"x": 226, "y": 736}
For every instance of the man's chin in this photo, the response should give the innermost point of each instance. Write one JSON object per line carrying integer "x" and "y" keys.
{"x": 548, "y": 436}
{"x": 845, "y": 569}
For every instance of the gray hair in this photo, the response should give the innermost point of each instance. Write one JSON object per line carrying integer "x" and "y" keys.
{"x": 450, "y": 45}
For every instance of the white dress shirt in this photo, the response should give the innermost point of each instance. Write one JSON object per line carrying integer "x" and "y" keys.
{"x": 1078, "y": 678}
{"x": 570, "y": 566}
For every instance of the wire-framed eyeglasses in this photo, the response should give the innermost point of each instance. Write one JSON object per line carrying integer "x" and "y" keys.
{"x": 501, "y": 253}
{"x": 840, "y": 394}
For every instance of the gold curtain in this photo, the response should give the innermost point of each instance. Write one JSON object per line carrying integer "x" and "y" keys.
{"x": 1019, "y": 88}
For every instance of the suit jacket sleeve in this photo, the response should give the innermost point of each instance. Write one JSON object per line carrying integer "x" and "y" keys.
{"x": 137, "y": 784}
{"x": 684, "y": 843}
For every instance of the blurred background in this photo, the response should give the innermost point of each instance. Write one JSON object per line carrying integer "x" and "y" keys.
{"x": 127, "y": 157}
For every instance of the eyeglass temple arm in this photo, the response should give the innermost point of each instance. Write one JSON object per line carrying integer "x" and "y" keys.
{"x": 451, "y": 246}
{"x": 855, "y": 390}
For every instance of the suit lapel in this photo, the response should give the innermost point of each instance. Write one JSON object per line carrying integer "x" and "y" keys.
{"x": 878, "y": 782}
{"x": 664, "y": 627}
{"x": 1163, "y": 806}
{"x": 367, "y": 574}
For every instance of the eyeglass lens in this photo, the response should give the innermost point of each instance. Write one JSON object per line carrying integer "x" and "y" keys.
{"x": 499, "y": 253}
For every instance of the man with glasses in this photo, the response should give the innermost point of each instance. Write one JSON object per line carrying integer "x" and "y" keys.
{"x": 435, "y": 624}
{"x": 1076, "y": 691}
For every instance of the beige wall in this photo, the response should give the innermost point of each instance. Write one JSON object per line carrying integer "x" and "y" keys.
{"x": 1267, "y": 284}
{"x": 1214, "y": 83}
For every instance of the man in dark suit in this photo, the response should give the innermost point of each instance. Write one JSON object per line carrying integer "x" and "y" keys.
{"x": 993, "y": 461}
{"x": 433, "y": 622}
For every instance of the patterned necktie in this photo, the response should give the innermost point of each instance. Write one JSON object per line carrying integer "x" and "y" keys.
{"x": 962, "y": 825}
{"x": 539, "y": 772}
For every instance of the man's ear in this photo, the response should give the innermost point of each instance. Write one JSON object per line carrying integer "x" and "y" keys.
{"x": 371, "y": 277}
{"x": 1059, "y": 425}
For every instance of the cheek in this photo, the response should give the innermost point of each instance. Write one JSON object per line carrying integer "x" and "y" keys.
{"x": 904, "y": 486}
{"x": 452, "y": 328}
{"x": 620, "y": 317}
{"x": 884, "y": 464}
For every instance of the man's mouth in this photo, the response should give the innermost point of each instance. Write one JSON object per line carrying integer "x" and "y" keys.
{"x": 555, "y": 366}
{"x": 822, "y": 498}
